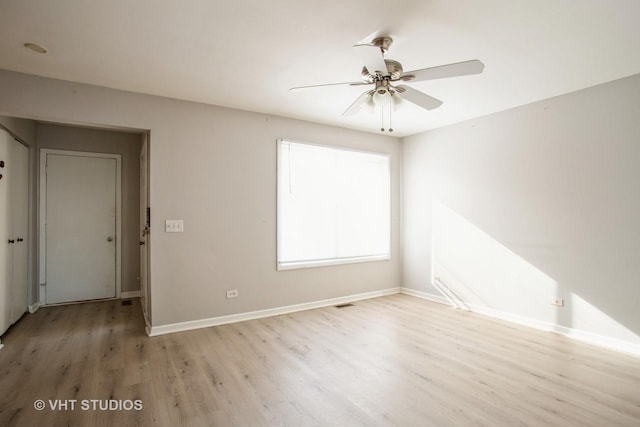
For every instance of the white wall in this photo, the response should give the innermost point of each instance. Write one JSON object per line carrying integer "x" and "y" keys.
{"x": 24, "y": 129}
{"x": 516, "y": 208}
{"x": 216, "y": 169}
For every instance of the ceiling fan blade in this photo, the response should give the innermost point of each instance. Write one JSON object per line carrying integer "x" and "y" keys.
{"x": 443, "y": 71}
{"x": 355, "y": 107}
{"x": 372, "y": 58}
{"x": 382, "y": 32}
{"x": 328, "y": 84}
{"x": 419, "y": 98}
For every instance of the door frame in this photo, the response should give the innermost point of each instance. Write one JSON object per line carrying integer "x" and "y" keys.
{"x": 42, "y": 210}
{"x": 145, "y": 230}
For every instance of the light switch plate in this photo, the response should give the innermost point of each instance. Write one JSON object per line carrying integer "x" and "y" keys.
{"x": 174, "y": 226}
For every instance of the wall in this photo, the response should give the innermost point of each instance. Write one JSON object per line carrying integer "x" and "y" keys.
{"x": 514, "y": 209}
{"x": 216, "y": 169}
{"x": 128, "y": 145}
{"x": 26, "y": 131}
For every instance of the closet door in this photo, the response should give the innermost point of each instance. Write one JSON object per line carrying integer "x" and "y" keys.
{"x": 5, "y": 234}
{"x": 19, "y": 206}
{"x": 14, "y": 226}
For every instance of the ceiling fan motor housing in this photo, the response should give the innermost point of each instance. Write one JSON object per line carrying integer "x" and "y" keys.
{"x": 394, "y": 68}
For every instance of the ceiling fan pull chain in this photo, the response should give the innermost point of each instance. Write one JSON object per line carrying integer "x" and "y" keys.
{"x": 381, "y": 118}
{"x": 390, "y": 113}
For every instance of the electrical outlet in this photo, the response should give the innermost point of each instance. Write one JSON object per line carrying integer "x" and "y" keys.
{"x": 233, "y": 293}
{"x": 558, "y": 301}
{"x": 174, "y": 226}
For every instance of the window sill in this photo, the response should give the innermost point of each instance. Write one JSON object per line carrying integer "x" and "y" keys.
{"x": 294, "y": 265}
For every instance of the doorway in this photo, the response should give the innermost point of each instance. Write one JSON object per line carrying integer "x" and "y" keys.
{"x": 80, "y": 226}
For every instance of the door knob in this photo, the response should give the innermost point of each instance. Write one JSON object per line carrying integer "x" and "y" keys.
{"x": 109, "y": 239}
{"x": 141, "y": 243}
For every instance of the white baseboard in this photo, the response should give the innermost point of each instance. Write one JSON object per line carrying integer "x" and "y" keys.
{"x": 431, "y": 297}
{"x": 588, "y": 337}
{"x": 33, "y": 308}
{"x": 241, "y": 317}
{"x": 130, "y": 294}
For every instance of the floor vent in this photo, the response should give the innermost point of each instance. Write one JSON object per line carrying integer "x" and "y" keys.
{"x": 126, "y": 302}
{"x": 344, "y": 305}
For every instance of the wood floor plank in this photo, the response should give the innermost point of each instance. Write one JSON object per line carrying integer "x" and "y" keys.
{"x": 390, "y": 361}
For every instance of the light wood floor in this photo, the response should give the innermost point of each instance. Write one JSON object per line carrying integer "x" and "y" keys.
{"x": 391, "y": 361}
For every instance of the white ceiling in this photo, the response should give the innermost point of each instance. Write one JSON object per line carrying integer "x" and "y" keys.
{"x": 246, "y": 54}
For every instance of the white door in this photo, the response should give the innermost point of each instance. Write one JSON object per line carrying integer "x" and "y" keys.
{"x": 144, "y": 233}
{"x": 5, "y": 234}
{"x": 80, "y": 216}
{"x": 19, "y": 206}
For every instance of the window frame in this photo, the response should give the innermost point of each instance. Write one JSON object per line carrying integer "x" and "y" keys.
{"x": 293, "y": 265}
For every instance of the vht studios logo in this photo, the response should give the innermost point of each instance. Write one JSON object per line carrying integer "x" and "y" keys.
{"x": 88, "y": 405}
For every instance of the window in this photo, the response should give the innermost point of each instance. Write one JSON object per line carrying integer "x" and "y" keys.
{"x": 333, "y": 206}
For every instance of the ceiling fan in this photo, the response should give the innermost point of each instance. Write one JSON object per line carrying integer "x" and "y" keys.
{"x": 384, "y": 74}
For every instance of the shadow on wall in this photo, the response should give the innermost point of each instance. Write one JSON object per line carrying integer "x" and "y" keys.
{"x": 487, "y": 276}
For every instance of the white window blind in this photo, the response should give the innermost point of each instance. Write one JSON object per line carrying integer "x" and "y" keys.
{"x": 333, "y": 205}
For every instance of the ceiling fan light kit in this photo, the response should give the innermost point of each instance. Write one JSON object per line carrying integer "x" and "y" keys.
{"x": 385, "y": 73}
